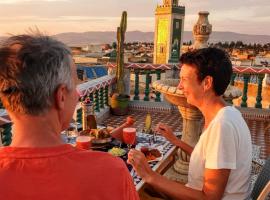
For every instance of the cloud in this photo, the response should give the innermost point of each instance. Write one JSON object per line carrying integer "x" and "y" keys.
{"x": 98, "y": 15}
{"x": 27, "y": 1}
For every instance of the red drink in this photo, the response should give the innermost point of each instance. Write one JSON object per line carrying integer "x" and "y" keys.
{"x": 83, "y": 142}
{"x": 129, "y": 135}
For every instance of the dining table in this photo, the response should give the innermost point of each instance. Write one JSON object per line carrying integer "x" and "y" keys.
{"x": 160, "y": 165}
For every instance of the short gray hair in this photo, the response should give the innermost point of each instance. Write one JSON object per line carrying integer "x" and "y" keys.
{"x": 31, "y": 68}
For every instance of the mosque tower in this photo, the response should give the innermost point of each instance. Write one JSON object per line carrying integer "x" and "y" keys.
{"x": 169, "y": 27}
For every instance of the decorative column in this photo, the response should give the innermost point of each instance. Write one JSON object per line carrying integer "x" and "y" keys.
{"x": 147, "y": 83}
{"x": 245, "y": 89}
{"x": 106, "y": 98}
{"x": 96, "y": 100}
{"x": 91, "y": 96}
{"x": 233, "y": 78}
{"x": 201, "y": 31}
{"x": 136, "y": 90}
{"x": 1, "y": 105}
{"x": 6, "y": 134}
{"x": 259, "y": 92}
{"x": 101, "y": 97}
{"x": 192, "y": 129}
{"x": 79, "y": 116}
{"x": 158, "y": 99}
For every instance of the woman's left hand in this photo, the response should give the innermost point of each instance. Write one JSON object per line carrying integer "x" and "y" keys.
{"x": 139, "y": 163}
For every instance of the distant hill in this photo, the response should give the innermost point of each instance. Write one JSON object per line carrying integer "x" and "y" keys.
{"x": 109, "y": 37}
{"x": 98, "y": 37}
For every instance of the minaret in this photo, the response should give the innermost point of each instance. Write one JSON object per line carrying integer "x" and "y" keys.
{"x": 169, "y": 28}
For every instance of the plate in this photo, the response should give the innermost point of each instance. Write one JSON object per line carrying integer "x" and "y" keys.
{"x": 156, "y": 159}
{"x": 101, "y": 141}
{"x": 138, "y": 147}
{"x": 116, "y": 151}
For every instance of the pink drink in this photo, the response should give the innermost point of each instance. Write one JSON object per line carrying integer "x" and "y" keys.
{"x": 129, "y": 135}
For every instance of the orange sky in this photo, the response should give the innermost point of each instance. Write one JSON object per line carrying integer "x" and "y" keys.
{"x": 56, "y": 16}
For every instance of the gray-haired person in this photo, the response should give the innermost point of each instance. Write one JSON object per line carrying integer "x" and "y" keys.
{"x": 38, "y": 89}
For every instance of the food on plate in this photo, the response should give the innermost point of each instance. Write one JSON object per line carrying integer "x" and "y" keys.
{"x": 116, "y": 151}
{"x": 100, "y": 133}
{"x": 150, "y": 154}
{"x": 110, "y": 128}
{"x": 96, "y": 133}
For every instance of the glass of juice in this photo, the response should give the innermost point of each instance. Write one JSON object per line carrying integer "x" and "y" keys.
{"x": 129, "y": 136}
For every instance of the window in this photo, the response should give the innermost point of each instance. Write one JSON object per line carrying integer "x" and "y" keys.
{"x": 177, "y": 25}
{"x": 161, "y": 50}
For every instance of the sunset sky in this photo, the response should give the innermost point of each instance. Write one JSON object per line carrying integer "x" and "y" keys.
{"x": 56, "y": 16}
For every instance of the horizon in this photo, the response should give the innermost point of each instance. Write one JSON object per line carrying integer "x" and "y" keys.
{"x": 61, "y": 16}
{"x": 134, "y": 31}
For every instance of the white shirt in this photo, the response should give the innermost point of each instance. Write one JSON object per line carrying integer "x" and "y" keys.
{"x": 225, "y": 144}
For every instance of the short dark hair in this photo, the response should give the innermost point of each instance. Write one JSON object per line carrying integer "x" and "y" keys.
{"x": 211, "y": 62}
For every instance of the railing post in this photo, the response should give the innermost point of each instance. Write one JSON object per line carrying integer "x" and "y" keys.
{"x": 147, "y": 83}
{"x": 259, "y": 92}
{"x": 96, "y": 100}
{"x": 158, "y": 72}
{"x": 106, "y": 95}
{"x": 101, "y": 97}
{"x": 1, "y": 105}
{"x": 245, "y": 89}
{"x": 233, "y": 78}
{"x": 79, "y": 116}
{"x": 136, "y": 90}
{"x": 91, "y": 96}
{"x": 6, "y": 135}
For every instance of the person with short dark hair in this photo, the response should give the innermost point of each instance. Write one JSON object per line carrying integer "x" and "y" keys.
{"x": 220, "y": 163}
{"x": 38, "y": 89}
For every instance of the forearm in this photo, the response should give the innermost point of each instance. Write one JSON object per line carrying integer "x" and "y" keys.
{"x": 117, "y": 133}
{"x": 182, "y": 145}
{"x": 173, "y": 189}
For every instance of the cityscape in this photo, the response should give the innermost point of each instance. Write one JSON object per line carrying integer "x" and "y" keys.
{"x": 127, "y": 59}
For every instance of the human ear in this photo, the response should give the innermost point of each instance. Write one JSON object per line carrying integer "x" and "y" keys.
{"x": 207, "y": 83}
{"x": 60, "y": 97}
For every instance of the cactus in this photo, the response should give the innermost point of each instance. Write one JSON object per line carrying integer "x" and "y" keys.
{"x": 119, "y": 100}
{"x": 120, "y": 87}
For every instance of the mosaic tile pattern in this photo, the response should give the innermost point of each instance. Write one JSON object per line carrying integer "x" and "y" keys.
{"x": 166, "y": 146}
{"x": 258, "y": 127}
{"x": 173, "y": 119}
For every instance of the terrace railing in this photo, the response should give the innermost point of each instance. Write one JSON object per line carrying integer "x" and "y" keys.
{"x": 246, "y": 75}
{"x": 98, "y": 90}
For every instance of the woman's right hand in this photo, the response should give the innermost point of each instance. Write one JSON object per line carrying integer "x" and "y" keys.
{"x": 167, "y": 132}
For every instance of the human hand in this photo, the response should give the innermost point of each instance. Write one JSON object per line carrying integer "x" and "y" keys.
{"x": 166, "y": 131}
{"x": 130, "y": 120}
{"x": 139, "y": 163}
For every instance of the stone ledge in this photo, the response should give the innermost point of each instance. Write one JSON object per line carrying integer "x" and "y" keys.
{"x": 255, "y": 113}
{"x": 150, "y": 106}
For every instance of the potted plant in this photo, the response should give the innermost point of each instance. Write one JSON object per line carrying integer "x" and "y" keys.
{"x": 119, "y": 99}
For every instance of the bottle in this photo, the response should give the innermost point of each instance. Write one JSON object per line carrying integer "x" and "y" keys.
{"x": 148, "y": 123}
{"x": 89, "y": 118}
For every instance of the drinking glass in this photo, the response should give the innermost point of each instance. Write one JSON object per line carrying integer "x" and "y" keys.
{"x": 129, "y": 136}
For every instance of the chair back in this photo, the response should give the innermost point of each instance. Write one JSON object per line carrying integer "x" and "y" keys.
{"x": 262, "y": 180}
